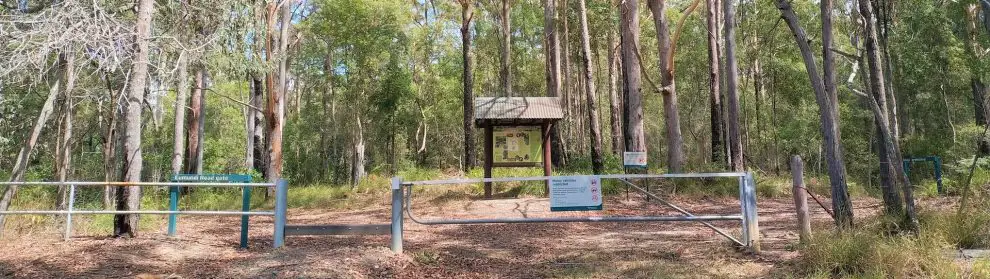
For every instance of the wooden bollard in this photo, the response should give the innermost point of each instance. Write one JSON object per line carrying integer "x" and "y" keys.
{"x": 800, "y": 199}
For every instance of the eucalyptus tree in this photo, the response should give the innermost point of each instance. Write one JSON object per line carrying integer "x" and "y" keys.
{"x": 635, "y": 136}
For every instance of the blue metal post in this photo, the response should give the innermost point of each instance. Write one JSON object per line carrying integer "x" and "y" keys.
{"x": 173, "y": 205}
{"x": 281, "y": 206}
{"x": 397, "y": 199}
{"x": 245, "y": 219}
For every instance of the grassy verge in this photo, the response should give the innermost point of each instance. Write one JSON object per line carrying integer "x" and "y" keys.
{"x": 870, "y": 251}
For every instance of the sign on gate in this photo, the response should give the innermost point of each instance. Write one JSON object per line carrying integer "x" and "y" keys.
{"x": 575, "y": 193}
{"x": 211, "y": 178}
{"x": 634, "y": 159}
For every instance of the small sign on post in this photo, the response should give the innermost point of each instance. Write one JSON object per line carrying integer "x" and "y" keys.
{"x": 575, "y": 193}
{"x": 634, "y": 159}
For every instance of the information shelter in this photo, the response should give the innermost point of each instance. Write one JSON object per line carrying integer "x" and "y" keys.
{"x": 517, "y": 131}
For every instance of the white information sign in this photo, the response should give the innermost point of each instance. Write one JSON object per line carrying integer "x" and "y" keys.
{"x": 575, "y": 193}
{"x": 634, "y": 159}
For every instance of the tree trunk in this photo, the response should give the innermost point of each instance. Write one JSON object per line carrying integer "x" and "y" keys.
{"x": 249, "y": 127}
{"x": 357, "y": 165}
{"x": 552, "y": 40}
{"x": 505, "y": 74}
{"x": 181, "y": 92}
{"x": 64, "y": 146}
{"x": 635, "y": 137}
{"x": 979, "y": 100}
{"x": 589, "y": 88}
{"x": 828, "y": 109}
{"x": 24, "y": 156}
{"x": 196, "y": 110}
{"x": 615, "y": 104}
{"x": 110, "y": 141}
{"x": 258, "y": 120}
{"x": 470, "y": 149}
{"x": 276, "y": 100}
{"x": 133, "y": 162}
{"x": 732, "y": 90}
{"x": 714, "y": 81}
{"x": 888, "y": 185}
{"x": 672, "y": 119}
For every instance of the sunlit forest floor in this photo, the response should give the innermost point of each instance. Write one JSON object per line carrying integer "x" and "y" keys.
{"x": 207, "y": 246}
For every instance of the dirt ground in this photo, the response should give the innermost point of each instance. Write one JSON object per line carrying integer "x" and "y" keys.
{"x": 207, "y": 246}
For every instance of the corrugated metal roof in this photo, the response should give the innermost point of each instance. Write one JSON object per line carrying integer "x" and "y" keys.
{"x": 508, "y": 108}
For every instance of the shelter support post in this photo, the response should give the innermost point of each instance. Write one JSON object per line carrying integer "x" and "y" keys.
{"x": 547, "y": 166}
{"x": 397, "y": 199}
{"x": 489, "y": 158}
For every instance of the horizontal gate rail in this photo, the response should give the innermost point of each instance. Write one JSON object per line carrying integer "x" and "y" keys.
{"x": 373, "y": 229}
{"x": 279, "y": 212}
{"x": 402, "y": 200}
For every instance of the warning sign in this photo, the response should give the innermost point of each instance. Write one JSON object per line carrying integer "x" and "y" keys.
{"x": 575, "y": 193}
{"x": 634, "y": 159}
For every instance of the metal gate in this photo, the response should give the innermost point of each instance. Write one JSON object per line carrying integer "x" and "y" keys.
{"x": 402, "y": 197}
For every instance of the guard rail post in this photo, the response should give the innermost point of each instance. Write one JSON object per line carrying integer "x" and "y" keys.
{"x": 281, "y": 206}
{"x": 397, "y": 215}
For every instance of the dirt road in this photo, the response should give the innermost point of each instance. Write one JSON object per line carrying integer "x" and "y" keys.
{"x": 207, "y": 246}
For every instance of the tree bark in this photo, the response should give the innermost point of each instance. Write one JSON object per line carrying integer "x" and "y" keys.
{"x": 732, "y": 90}
{"x": 505, "y": 73}
{"x": 110, "y": 141}
{"x": 181, "y": 92}
{"x": 357, "y": 165}
{"x": 672, "y": 119}
{"x": 979, "y": 100}
{"x": 615, "y": 104}
{"x": 714, "y": 82}
{"x": 470, "y": 149}
{"x": 64, "y": 146}
{"x": 892, "y": 203}
{"x": 133, "y": 162}
{"x": 196, "y": 110}
{"x": 589, "y": 87}
{"x": 24, "y": 156}
{"x": 828, "y": 109}
{"x": 552, "y": 41}
{"x": 275, "y": 107}
{"x": 635, "y": 137}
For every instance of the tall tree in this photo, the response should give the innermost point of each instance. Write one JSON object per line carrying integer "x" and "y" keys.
{"x": 181, "y": 93}
{"x": 732, "y": 88}
{"x": 130, "y": 198}
{"x": 877, "y": 85}
{"x": 24, "y": 156}
{"x": 275, "y": 107}
{"x": 615, "y": 104}
{"x": 467, "y": 78}
{"x": 714, "y": 82}
{"x": 505, "y": 73}
{"x": 589, "y": 88}
{"x": 196, "y": 121}
{"x": 827, "y": 106}
{"x": 552, "y": 52}
{"x": 888, "y": 139}
{"x": 672, "y": 118}
{"x": 635, "y": 136}
{"x": 63, "y": 149}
